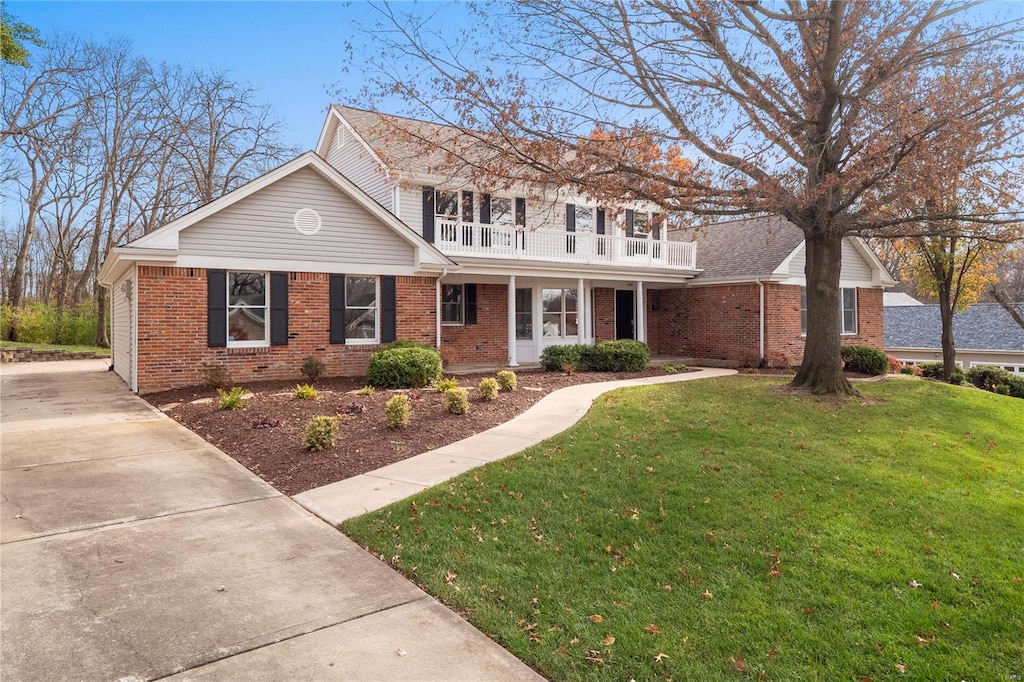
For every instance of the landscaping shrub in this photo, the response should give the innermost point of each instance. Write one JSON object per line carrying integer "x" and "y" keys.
{"x": 305, "y": 392}
{"x": 865, "y": 360}
{"x": 445, "y": 385}
{"x": 313, "y": 369}
{"x": 216, "y": 376}
{"x": 404, "y": 367}
{"x": 554, "y": 358}
{"x": 365, "y": 390}
{"x": 397, "y": 410}
{"x": 931, "y": 370}
{"x": 456, "y": 401}
{"x": 911, "y": 370}
{"x": 508, "y": 380}
{"x": 406, "y": 343}
{"x": 624, "y": 355}
{"x": 956, "y": 377}
{"x": 488, "y": 388}
{"x": 996, "y": 380}
{"x": 320, "y": 433}
{"x": 895, "y": 364}
{"x": 231, "y": 399}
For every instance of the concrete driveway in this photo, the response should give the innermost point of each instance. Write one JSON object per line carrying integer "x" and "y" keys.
{"x": 132, "y": 549}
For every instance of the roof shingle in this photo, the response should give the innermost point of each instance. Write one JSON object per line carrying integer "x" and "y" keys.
{"x": 751, "y": 247}
{"x": 983, "y": 326}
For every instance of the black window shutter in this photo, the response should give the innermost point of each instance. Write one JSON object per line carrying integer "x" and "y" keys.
{"x": 599, "y": 227}
{"x": 570, "y": 217}
{"x": 656, "y": 225}
{"x": 279, "y": 309}
{"x": 336, "y": 288}
{"x": 388, "y": 306}
{"x": 470, "y": 303}
{"x": 485, "y": 209}
{"x": 520, "y": 211}
{"x": 428, "y": 214}
{"x": 217, "y": 308}
{"x": 629, "y": 222}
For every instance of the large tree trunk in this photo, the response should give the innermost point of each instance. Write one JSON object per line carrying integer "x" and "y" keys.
{"x": 16, "y": 290}
{"x": 102, "y": 337}
{"x": 822, "y": 368}
{"x": 946, "y": 313}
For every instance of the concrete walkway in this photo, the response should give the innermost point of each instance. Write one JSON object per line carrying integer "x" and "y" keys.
{"x": 551, "y": 415}
{"x": 132, "y": 550}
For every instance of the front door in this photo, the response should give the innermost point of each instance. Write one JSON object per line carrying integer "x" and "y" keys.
{"x": 625, "y": 313}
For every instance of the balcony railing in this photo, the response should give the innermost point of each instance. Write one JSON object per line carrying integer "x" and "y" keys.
{"x": 499, "y": 241}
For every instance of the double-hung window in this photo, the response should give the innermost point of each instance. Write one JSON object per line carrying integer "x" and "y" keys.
{"x": 584, "y": 218}
{"x": 452, "y": 304}
{"x": 446, "y": 204}
{"x": 501, "y": 211}
{"x": 361, "y": 309}
{"x": 559, "y": 316}
{"x": 248, "y": 321}
{"x": 847, "y": 310}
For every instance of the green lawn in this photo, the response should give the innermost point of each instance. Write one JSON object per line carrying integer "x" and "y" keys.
{"x": 720, "y": 530}
{"x": 105, "y": 352}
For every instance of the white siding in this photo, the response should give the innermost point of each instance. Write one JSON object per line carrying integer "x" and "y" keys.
{"x": 260, "y": 226}
{"x": 350, "y": 157}
{"x": 121, "y": 332}
{"x": 410, "y": 207}
{"x": 854, "y": 267}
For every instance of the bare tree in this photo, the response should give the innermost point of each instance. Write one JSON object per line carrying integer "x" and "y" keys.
{"x": 801, "y": 109}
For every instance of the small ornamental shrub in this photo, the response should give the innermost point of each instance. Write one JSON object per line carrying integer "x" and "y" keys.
{"x": 231, "y": 399}
{"x": 305, "y": 392}
{"x": 404, "y": 367}
{"x": 406, "y": 343}
{"x": 624, "y": 355}
{"x": 957, "y": 377}
{"x": 313, "y": 369}
{"x": 569, "y": 367}
{"x": 216, "y": 376}
{"x": 320, "y": 433}
{"x": 931, "y": 370}
{"x": 554, "y": 357}
{"x": 1001, "y": 389}
{"x": 456, "y": 401}
{"x": 895, "y": 364}
{"x": 488, "y": 388}
{"x": 365, "y": 390}
{"x": 445, "y": 385}
{"x": 397, "y": 410}
{"x": 910, "y": 370}
{"x": 865, "y": 360}
{"x": 508, "y": 380}
{"x": 989, "y": 378}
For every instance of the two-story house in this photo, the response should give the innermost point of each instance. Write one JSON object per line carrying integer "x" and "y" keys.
{"x": 368, "y": 239}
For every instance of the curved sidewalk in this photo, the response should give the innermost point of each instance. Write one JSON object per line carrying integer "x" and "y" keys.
{"x": 552, "y": 414}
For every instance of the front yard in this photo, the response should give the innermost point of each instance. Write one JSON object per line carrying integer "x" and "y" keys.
{"x": 722, "y": 530}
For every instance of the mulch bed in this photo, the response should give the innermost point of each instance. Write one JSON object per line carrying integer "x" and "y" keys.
{"x": 266, "y": 436}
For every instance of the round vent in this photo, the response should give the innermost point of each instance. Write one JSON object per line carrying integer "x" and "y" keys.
{"x": 307, "y": 221}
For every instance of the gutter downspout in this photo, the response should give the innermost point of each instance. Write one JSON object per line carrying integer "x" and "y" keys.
{"x": 437, "y": 308}
{"x": 760, "y": 336}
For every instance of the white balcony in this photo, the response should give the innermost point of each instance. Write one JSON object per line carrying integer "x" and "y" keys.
{"x": 507, "y": 243}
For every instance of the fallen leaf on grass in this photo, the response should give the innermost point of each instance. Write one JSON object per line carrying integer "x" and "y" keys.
{"x": 596, "y": 618}
{"x": 450, "y": 577}
{"x": 660, "y": 657}
{"x": 914, "y": 584}
{"x": 592, "y": 657}
{"x": 902, "y": 668}
{"x": 609, "y": 640}
{"x": 738, "y": 663}
{"x": 707, "y": 594}
{"x": 652, "y": 628}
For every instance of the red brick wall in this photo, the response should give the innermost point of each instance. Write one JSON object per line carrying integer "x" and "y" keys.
{"x": 721, "y": 323}
{"x": 604, "y": 313}
{"x": 485, "y": 341}
{"x": 172, "y": 337}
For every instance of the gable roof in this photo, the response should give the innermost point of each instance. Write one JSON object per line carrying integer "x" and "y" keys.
{"x": 750, "y": 247}
{"x": 983, "y": 326}
{"x": 892, "y": 298}
{"x": 162, "y": 243}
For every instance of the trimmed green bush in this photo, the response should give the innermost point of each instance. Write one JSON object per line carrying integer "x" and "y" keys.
{"x": 508, "y": 380}
{"x": 488, "y": 388}
{"x": 624, "y": 355}
{"x": 996, "y": 380}
{"x": 406, "y": 343}
{"x": 231, "y": 399}
{"x": 456, "y": 401}
{"x": 555, "y": 358}
{"x": 305, "y": 392}
{"x": 865, "y": 360}
{"x": 907, "y": 369}
{"x": 320, "y": 433}
{"x": 931, "y": 370}
{"x": 397, "y": 410}
{"x": 313, "y": 369}
{"x": 404, "y": 367}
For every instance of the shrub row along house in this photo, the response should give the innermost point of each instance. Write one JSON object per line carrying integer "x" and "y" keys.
{"x": 362, "y": 241}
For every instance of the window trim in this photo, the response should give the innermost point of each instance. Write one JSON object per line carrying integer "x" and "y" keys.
{"x": 265, "y": 343}
{"x": 842, "y": 312}
{"x": 461, "y": 322}
{"x": 360, "y": 341}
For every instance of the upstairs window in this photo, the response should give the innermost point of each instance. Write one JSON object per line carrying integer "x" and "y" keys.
{"x": 247, "y": 309}
{"x": 584, "y": 219}
{"x": 641, "y": 224}
{"x": 501, "y": 211}
{"x": 446, "y": 204}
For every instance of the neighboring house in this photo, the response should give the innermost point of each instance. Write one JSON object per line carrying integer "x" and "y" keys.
{"x": 363, "y": 241}
{"x": 898, "y": 298}
{"x": 984, "y": 334}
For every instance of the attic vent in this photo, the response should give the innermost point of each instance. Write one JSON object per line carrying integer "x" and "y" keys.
{"x": 307, "y": 221}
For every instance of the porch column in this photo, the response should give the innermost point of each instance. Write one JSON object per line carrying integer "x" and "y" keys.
{"x": 581, "y": 313}
{"x": 512, "y": 321}
{"x": 641, "y": 313}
